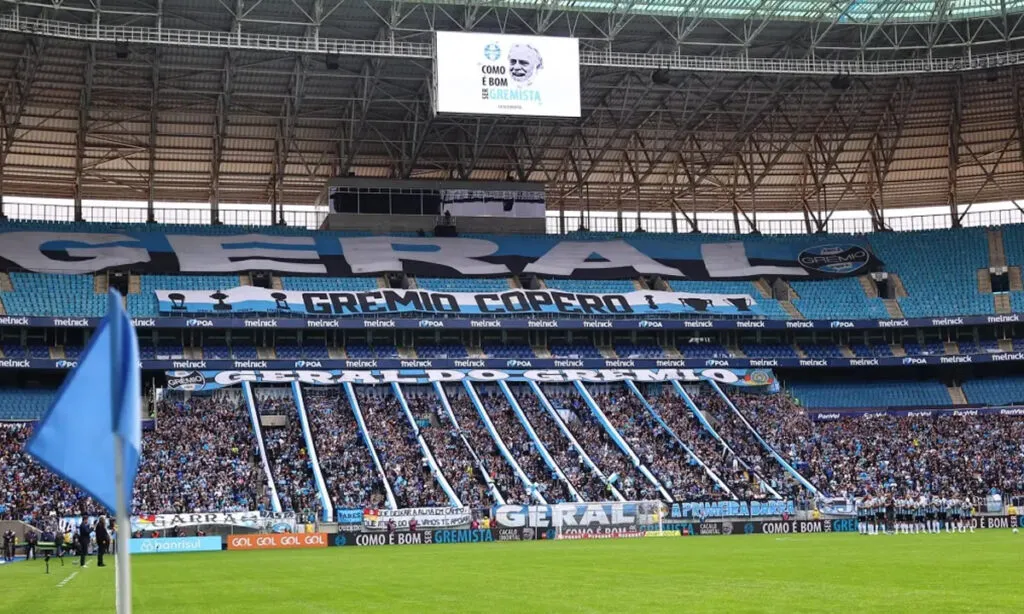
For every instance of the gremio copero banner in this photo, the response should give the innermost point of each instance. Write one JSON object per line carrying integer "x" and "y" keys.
{"x": 213, "y": 380}
{"x": 397, "y": 302}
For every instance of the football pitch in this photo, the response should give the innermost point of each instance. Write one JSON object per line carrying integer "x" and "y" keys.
{"x": 799, "y": 573}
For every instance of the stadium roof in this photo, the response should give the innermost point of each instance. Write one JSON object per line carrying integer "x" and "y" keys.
{"x": 232, "y": 101}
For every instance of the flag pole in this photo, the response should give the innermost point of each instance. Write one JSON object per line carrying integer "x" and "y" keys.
{"x": 122, "y": 564}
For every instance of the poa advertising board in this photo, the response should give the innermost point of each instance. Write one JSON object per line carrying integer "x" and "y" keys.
{"x": 501, "y": 74}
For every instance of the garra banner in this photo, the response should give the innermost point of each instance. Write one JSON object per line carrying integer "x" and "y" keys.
{"x": 426, "y": 518}
{"x": 697, "y": 257}
{"x": 213, "y": 380}
{"x": 397, "y": 302}
{"x": 269, "y": 522}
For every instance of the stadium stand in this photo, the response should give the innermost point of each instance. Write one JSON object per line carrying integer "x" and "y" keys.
{"x": 24, "y": 404}
{"x": 329, "y": 284}
{"x": 769, "y": 307}
{"x": 565, "y": 455}
{"x": 600, "y": 447}
{"x": 591, "y": 286}
{"x": 847, "y": 393}
{"x": 441, "y": 284}
{"x": 682, "y": 477}
{"x": 836, "y": 299}
{"x": 450, "y": 449}
{"x": 287, "y": 455}
{"x": 500, "y": 472}
{"x": 518, "y": 442}
{"x": 40, "y": 294}
{"x": 407, "y": 471}
{"x": 351, "y": 478}
{"x": 202, "y": 456}
{"x": 938, "y": 269}
{"x": 1007, "y": 390}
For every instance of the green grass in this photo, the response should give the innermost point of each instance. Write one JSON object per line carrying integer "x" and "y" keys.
{"x": 978, "y": 572}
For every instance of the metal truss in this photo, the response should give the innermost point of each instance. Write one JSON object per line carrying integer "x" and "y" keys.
{"x": 261, "y": 101}
{"x": 819, "y": 62}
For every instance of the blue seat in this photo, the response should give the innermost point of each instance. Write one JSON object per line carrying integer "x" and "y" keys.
{"x": 144, "y": 304}
{"x": 441, "y": 284}
{"x": 330, "y": 284}
{"x": 22, "y": 405}
{"x": 865, "y": 394}
{"x": 995, "y": 390}
{"x": 591, "y": 286}
{"x": 836, "y": 299}
{"x": 41, "y": 294}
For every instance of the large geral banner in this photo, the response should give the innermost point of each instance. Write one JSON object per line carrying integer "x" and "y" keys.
{"x": 212, "y": 380}
{"x": 331, "y": 254}
{"x": 576, "y": 520}
{"x": 390, "y": 302}
{"x": 506, "y": 74}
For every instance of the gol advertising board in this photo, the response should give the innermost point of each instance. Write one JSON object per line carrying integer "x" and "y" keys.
{"x": 505, "y": 74}
{"x": 277, "y": 541}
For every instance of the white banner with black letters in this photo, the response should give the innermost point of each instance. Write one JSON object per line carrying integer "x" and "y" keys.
{"x": 388, "y": 301}
{"x": 426, "y": 518}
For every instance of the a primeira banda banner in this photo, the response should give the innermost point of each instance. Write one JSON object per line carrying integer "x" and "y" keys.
{"x": 213, "y": 380}
{"x": 333, "y": 254}
{"x": 397, "y": 302}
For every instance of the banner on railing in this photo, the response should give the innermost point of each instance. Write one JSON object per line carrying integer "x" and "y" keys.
{"x": 731, "y": 509}
{"x": 349, "y": 515}
{"x": 831, "y": 415}
{"x": 580, "y": 519}
{"x": 674, "y": 257}
{"x": 213, "y": 380}
{"x": 770, "y": 527}
{"x": 426, "y": 518}
{"x": 270, "y": 522}
{"x": 390, "y": 302}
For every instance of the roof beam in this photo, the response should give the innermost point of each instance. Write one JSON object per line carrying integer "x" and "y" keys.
{"x": 82, "y": 133}
{"x": 14, "y": 101}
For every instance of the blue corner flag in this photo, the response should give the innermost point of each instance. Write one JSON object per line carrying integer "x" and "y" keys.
{"x": 100, "y": 399}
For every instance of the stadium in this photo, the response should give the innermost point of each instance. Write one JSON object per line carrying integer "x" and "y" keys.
{"x": 486, "y": 306}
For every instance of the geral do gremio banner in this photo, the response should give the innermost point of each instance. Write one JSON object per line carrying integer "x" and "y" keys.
{"x": 213, "y": 380}
{"x": 335, "y": 255}
{"x": 505, "y": 74}
{"x": 389, "y": 302}
{"x": 426, "y": 518}
{"x": 268, "y": 522}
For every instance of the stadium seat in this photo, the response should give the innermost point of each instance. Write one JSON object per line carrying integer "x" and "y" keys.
{"x": 938, "y": 269}
{"x": 39, "y": 294}
{"x": 995, "y": 390}
{"x": 18, "y": 404}
{"x": 849, "y": 393}
{"x": 836, "y": 299}
{"x": 440, "y": 284}
{"x": 144, "y": 304}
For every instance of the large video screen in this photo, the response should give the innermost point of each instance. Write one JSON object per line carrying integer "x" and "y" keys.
{"x": 506, "y": 74}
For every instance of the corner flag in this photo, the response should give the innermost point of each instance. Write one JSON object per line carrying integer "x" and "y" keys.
{"x": 92, "y": 435}
{"x": 101, "y": 398}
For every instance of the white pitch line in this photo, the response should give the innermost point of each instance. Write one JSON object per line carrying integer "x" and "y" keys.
{"x": 67, "y": 579}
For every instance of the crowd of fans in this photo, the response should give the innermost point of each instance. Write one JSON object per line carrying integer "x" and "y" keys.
{"x": 289, "y": 460}
{"x": 743, "y": 442}
{"x": 201, "y": 457}
{"x": 906, "y": 457}
{"x": 451, "y": 450}
{"x": 680, "y": 474}
{"x": 501, "y": 473}
{"x": 27, "y": 489}
{"x": 727, "y": 466}
{"x": 513, "y": 434}
{"x": 617, "y": 467}
{"x": 349, "y": 473}
{"x": 586, "y": 482}
{"x": 408, "y": 472}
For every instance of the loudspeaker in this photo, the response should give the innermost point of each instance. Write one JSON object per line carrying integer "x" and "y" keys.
{"x": 261, "y": 279}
